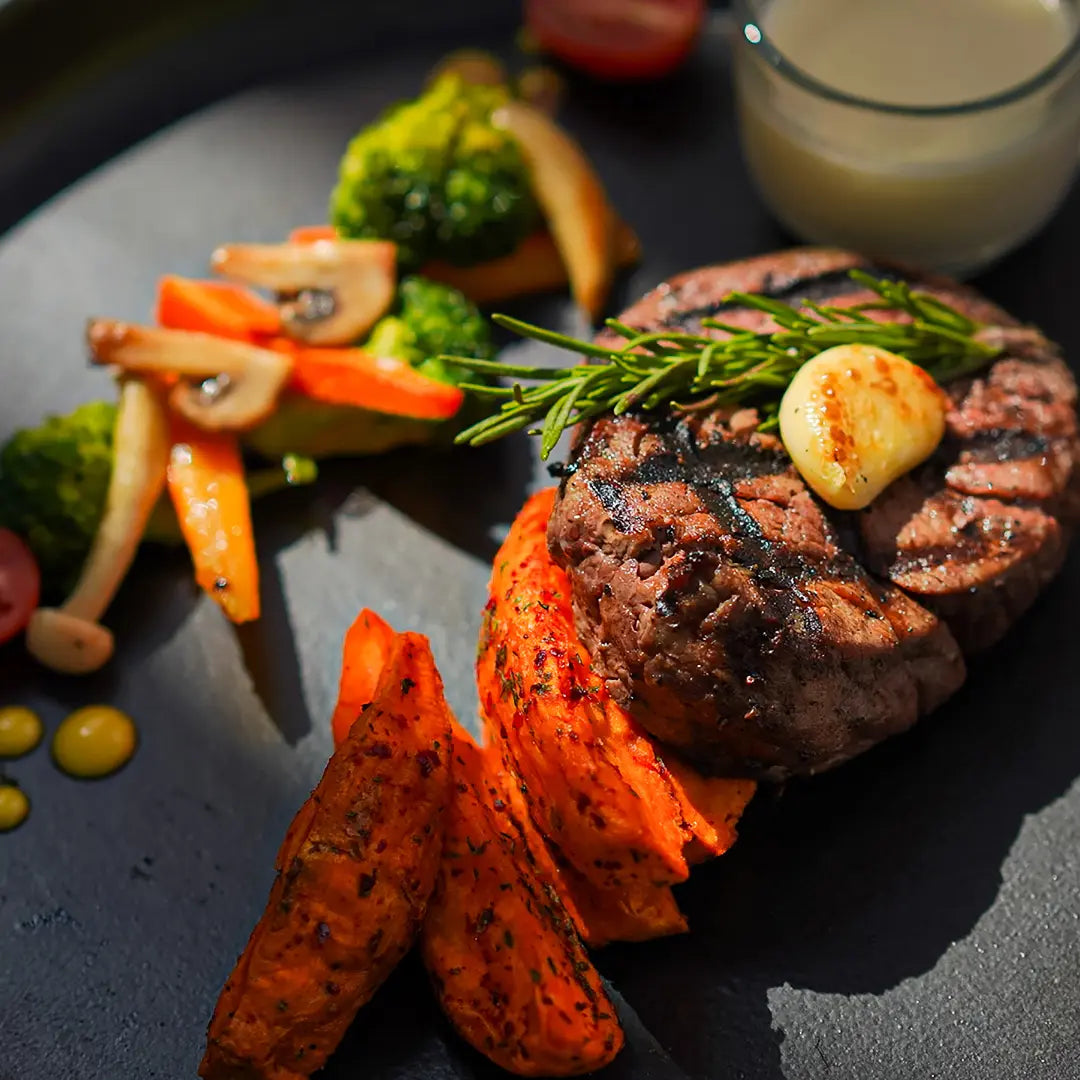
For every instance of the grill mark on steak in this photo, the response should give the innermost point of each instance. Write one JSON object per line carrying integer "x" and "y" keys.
{"x": 818, "y": 288}
{"x": 612, "y": 496}
{"x": 737, "y": 617}
{"x": 1000, "y": 445}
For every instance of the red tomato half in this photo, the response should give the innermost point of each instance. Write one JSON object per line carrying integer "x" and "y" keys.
{"x": 20, "y": 584}
{"x": 617, "y": 39}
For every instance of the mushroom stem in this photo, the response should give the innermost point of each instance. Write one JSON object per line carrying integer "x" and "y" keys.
{"x": 69, "y": 638}
{"x": 332, "y": 291}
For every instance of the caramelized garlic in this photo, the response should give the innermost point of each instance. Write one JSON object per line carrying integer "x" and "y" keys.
{"x": 855, "y": 418}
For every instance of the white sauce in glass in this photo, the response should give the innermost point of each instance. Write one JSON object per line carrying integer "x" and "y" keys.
{"x": 920, "y": 52}
{"x": 947, "y": 192}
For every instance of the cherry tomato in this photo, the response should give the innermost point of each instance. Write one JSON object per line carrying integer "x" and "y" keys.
{"x": 617, "y": 39}
{"x": 20, "y": 585}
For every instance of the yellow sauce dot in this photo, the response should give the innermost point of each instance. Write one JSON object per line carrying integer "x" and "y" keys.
{"x": 94, "y": 741}
{"x": 14, "y": 807}
{"x": 20, "y": 730}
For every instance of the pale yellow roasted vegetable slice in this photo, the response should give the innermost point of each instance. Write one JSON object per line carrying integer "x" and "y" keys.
{"x": 333, "y": 291}
{"x": 571, "y": 197}
{"x": 71, "y": 638}
{"x": 855, "y": 418}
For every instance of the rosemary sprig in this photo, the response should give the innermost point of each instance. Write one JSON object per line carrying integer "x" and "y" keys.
{"x": 651, "y": 370}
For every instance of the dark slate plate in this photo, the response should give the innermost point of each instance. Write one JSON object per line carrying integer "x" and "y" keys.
{"x": 915, "y": 914}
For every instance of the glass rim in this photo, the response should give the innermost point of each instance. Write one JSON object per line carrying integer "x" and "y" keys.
{"x": 754, "y": 37}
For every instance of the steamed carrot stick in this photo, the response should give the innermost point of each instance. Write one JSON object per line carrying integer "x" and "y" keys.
{"x": 215, "y": 307}
{"x": 382, "y": 384}
{"x": 312, "y": 234}
{"x": 355, "y": 874}
{"x": 633, "y": 912}
{"x": 509, "y": 970}
{"x": 205, "y": 479}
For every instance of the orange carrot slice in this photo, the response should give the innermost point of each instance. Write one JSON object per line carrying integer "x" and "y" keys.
{"x": 215, "y": 307}
{"x": 380, "y": 383}
{"x": 206, "y": 483}
{"x": 312, "y": 234}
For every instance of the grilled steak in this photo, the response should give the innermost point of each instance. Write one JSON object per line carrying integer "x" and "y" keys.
{"x": 746, "y": 623}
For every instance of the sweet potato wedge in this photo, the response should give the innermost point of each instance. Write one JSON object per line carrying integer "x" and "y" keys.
{"x": 369, "y": 643}
{"x": 507, "y": 965}
{"x": 636, "y": 912}
{"x": 617, "y": 822}
{"x": 355, "y": 873}
{"x": 711, "y": 807}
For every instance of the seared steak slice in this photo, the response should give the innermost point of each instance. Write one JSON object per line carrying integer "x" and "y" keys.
{"x": 739, "y": 618}
{"x": 977, "y": 532}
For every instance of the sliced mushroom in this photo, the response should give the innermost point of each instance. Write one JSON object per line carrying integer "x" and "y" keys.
{"x": 474, "y": 66}
{"x": 71, "y": 638}
{"x": 237, "y": 386}
{"x": 572, "y": 198}
{"x": 333, "y": 291}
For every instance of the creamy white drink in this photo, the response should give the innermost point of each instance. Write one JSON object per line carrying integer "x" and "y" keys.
{"x": 899, "y": 127}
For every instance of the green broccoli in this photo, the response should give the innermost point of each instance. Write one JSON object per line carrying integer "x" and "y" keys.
{"x": 430, "y": 319}
{"x": 53, "y": 483}
{"x": 437, "y": 178}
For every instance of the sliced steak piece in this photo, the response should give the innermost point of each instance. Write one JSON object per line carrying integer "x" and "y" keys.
{"x": 979, "y": 531}
{"x": 739, "y": 618}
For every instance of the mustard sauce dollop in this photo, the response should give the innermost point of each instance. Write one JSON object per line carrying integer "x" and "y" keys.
{"x": 20, "y": 730}
{"x": 94, "y": 741}
{"x": 14, "y": 806}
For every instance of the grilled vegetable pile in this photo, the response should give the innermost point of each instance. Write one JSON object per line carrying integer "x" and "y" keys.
{"x": 229, "y": 396}
{"x": 307, "y": 349}
{"x": 502, "y": 861}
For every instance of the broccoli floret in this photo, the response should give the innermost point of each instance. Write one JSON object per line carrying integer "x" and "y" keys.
{"x": 437, "y": 178}
{"x": 53, "y": 482}
{"x": 430, "y": 319}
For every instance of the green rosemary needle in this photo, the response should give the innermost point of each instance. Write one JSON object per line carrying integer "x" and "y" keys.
{"x": 665, "y": 368}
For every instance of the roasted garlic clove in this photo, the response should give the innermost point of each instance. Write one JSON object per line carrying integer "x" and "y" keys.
{"x": 855, "y": 418}
{"x": 333, "y": 291}
{"x": 70, "y": 639}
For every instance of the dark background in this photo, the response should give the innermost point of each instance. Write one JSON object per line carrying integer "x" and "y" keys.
{"x": 914, "y": 914}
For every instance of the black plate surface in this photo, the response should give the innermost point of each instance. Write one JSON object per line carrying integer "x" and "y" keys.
{"x": 915, "y": 914}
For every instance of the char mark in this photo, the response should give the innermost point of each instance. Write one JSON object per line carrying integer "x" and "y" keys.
{"x": 1001, "y": 445}
{"x": 612, "y": 497}
{"x": 819, "y": 289}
